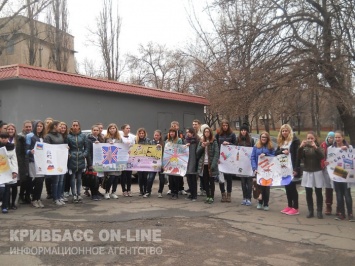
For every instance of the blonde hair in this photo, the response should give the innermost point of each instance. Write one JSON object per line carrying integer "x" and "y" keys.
{"x": 280, "y": 139}
{"x": 259, "y": 144}
{"x": 116, "y": 135}
{"x": 139, "y": 130}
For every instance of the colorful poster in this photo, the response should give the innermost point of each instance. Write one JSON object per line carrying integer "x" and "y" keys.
{"x": 5, "y": 170}
{"x": 175, "y": 159}
{"x": 341, "y": 164}
{"x": 235, "y": 160}
{"x": 275, "y": 171}
{"x": 51, "y": 159}
{"x": 145, "y": 158}
{"x": 110, "y": 157}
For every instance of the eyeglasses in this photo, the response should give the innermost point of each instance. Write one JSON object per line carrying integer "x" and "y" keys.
{"x": 263, "y": 137}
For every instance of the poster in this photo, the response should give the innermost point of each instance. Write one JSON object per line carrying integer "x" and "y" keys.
{"x": 145, "y": 158}
{"x": 341, "y": 164}
{"x": 110, "y": 157}
{"x": 51, "y": 159}
{"x": 275, "y": 171}
{"x": 235, "y": 160}
{"x": 5, "y": 170}
{"x": 175, "y": 159}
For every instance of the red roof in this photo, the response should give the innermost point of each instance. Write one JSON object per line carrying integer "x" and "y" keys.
{"x": 51, "y": 76}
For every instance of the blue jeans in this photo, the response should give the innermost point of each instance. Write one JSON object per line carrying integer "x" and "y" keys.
{"x": 57, "y": 186}
{"x": 151, "y": 177}
{"x": 75, "y": 179}
{"x": 342, "y": 191}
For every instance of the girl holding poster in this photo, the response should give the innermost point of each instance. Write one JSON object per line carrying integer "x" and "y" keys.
{"x": 225, "y": 136}
{"x": 288, "y": 144}
{"x": 38, "y": 179}
{"x": 174, "y": 180}
{"x": 262, "y": 148}
{"x": 312, "y": 154}
{"x": 141, "y": 138}
{"x": 327, "y": 181}
{"x": 112, "y": 136}
{"x": 245, "y": 140}
{"x": 208, "y": 155}
{"x": 126, "y": 176}
{"x": 342, "y": 189}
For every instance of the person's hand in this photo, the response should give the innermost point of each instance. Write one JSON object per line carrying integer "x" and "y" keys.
{"x": 14, "y": 175}
{"x": 262, "y": 155}
{"x": 286, "y": 152}
{"x": 255, "y": 172}
{"x": 225, "y": 143}
{"x": 187, "y": 144}
{"x": 97, "y": 142}
{"x": 303, "y": 143}
{"x": 344, "y": 148}
{"x": 326, "y": 163}
{"x": 33, "y": 151}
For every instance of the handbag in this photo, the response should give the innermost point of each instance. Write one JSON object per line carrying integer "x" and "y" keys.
{"x": 89, "y": 178}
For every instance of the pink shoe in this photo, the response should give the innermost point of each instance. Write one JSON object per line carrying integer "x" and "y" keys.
{"x": 286, "y": 210}
{"x": 292, "y": 212}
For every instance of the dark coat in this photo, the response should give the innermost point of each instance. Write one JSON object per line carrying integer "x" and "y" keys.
{"x": 192, "y": 162}
{"x": 21, "y": 157}
{"x": 78, "y": 151}
{"x": 213, "y": 157}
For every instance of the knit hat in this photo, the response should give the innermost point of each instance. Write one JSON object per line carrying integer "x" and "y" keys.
{"x": 330, "y": 134}
{"x": 244, "y": 127}
{"x": 204, "y": 126}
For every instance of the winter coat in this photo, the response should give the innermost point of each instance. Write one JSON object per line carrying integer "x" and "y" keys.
{"x": 311, "y": 158}
{"x": 256, "y": 153}
{"x": 144, "y": 141}
{"x": 213, "y": 157}
{"x": 54, "y": 137}
{"x": 91, "y": 141}
{"x": 78, "y": 151}
{"x": 192, "y": 162}
{"x": 231, "y": 138}
{"x": 20, "y": 148}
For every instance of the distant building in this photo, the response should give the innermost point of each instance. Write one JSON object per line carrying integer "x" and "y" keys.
{"x": 28, "y": 92}
{"x": 15, "y": 37}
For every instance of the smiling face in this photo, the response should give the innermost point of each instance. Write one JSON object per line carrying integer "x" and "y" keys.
{"x": 126, "y": 130}
{"x": 285, "y": 132}
{"x": 264, "y": 138}
{"x": 39, "y": 128}
{"x": 112, "y": 130}
{"x": 338, "y": 139}
{"x": 11, "y": 130}
{"x": 27, "y": 127}
{"x": 157, "y": 136}
{"x": 63, "y": 128}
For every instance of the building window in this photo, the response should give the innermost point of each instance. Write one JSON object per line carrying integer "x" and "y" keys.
{"x": 10, "y": 48}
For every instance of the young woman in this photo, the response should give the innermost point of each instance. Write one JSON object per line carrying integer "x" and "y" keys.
{"x": 225, "y": 136}
{"x": 288, "y": 144}
{"x": 262, "y": 148}
{"x": 20, "y": 148}
{"x": 208, "y": 154}
{"x": 11, "y": 155}
{"x": 342, "y": 189}
{"x": 245, "y": 140}
{"x": 54, "y": 136}
{"x": 38, "y": 180}
{"x": 78, "y": 152}
{"x": 312, "y": 154}
{"x": 327, "y": 182}
{"x": 157, "y": 140}
{"x": 48, "y": 178}
{"x": 126, "y": 176}
{"x": 141, "y": 138}
{"x": 174, "y": 181}
{"x": 192, "y": 141}
{"x": 112, "y": 136}
{"x": 66, "y": 180}
{"x": 94, "y": 138}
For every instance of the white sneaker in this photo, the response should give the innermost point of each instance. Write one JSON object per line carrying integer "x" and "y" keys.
{"x": 79, "y": 198}
{"x": 75, "y": 199}
{"x": 66, "y": 194}
{"x": 35, "y": 204}
{"x": 146, "y": 195}
{"x": 183, "y": 192}
{"x": 40, "y": 204}
{"x": 64, "y": 199}
{"x": 107, "y": 196}
{"x": 58, "y": 203}
{"x": 61, "y": 201}
{"x": 113, "y": 196}
{"x": 169, "y": 192}
{"x": 160, "y": 195}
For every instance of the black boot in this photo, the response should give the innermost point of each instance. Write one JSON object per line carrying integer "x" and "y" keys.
{"x": 310, "y": 213}
{"x": 319, "y": 215}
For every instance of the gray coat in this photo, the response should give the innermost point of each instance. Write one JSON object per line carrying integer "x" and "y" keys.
{"x": 192, "y": 162}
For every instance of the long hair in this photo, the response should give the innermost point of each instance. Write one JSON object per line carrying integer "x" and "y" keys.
{"x": 221, "y": 131}
{"x": 345, "y": 143}
{"x": 139, "y": 130}
{"x": 15, "y": 132}
{"x": 269, "y": 145}
{"x": 51, "y": 126}
{"x": 65, "y": 134}
{"x": 210, "y": 138}
{"x": 280, "y": 139}
{"x": 41, "y": 134}
{"x": 108, "y": 134}
{"x": 175, "y": 139}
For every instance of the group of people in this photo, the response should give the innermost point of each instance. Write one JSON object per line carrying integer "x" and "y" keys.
{"x": 204, "y": 150}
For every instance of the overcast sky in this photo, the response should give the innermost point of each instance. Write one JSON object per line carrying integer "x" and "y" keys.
{"x": 160, "y": 21}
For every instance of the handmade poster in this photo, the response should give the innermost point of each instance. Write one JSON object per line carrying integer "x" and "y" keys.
{"x": 275, "y": 171}
{"x": 145, "y": 158}
{"x": 341, "y": 164}
{"x": 110, "y": 157}
{"x": 5, "y": 170}
{"x": 175, "y": 159}
{"x": 235, "y": 160}
{"x": 51, "y": 159}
